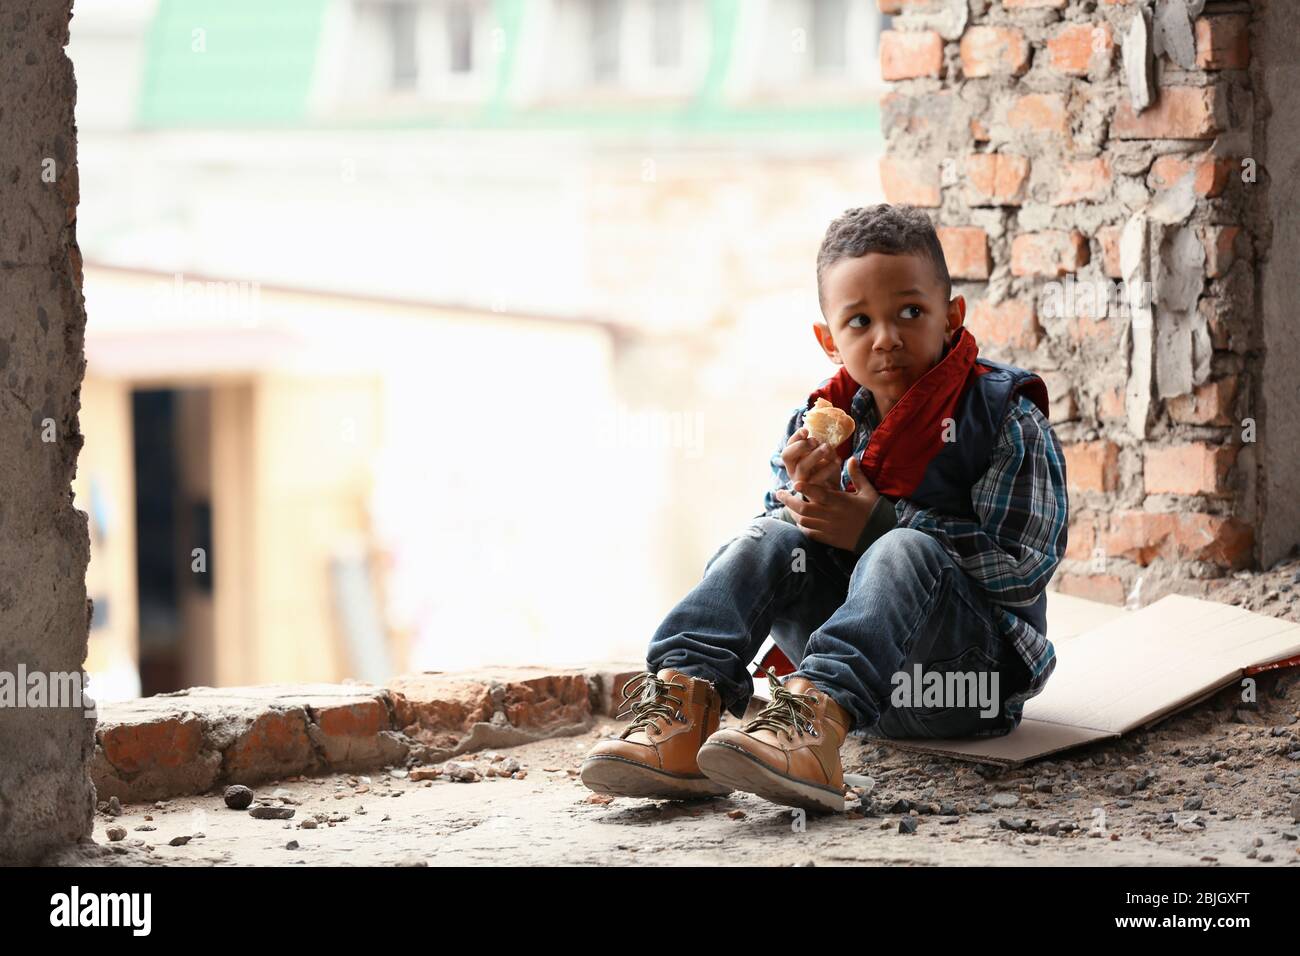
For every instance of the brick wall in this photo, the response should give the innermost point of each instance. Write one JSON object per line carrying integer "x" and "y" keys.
{"x": 1075, "y": 161}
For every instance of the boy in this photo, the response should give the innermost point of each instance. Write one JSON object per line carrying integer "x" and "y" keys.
{"x": 927, "y": 552}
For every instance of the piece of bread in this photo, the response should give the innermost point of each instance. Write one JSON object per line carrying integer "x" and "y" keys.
{"x": 827, "y": 423}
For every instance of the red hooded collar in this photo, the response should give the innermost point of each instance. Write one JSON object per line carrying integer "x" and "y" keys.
{"x": 911, "y": 434}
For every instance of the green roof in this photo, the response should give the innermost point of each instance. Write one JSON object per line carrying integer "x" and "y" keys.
{"x": 260, "y": 55}
{"x": 251, "y": 63}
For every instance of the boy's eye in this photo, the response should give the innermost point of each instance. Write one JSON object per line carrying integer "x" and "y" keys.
{"x": 909, "y": 309}
{"x": 855, "y": 324}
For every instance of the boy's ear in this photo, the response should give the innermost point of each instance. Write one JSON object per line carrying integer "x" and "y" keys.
{"x": 823, "y": 333}
{"x": 956, "y": 313}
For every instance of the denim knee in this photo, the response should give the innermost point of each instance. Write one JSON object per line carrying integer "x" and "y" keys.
{"x": 899, "y": 548}
{"x": 764, "y": 535}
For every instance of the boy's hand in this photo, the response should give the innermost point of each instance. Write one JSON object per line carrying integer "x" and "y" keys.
{"x": 829, "y": 515}
{"x": 811, "y": 462}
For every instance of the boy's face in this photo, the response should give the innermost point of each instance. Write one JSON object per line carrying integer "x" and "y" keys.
{"x": 887, "y": 320}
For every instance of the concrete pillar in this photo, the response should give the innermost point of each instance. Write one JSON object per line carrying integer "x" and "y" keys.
{"x": 46, "y": 799}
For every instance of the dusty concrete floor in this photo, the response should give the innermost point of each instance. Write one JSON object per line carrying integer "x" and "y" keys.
{"x": 1218, "y": 785}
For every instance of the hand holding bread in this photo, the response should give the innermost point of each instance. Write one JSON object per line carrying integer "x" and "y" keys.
{"x": 807, "y": 460}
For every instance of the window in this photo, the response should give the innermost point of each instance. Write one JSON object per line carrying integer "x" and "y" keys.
{"x": 401, "y": 43}
{"x": 460, "y": 37}
{"x": 668, "y": 29}
{"x": 606, "y": 39}
{"x": 829, "y": 36}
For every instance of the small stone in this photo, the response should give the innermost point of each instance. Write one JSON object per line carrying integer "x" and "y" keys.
{"x": 600, "y": 798}
{"x": 907, "y": 824}
{"x": 1194, "y": 802}
{"x": 1016, "y": 824}
{"x": 114, "y": 808}
{"x": 238, "y": 797}
{"x": 115, "y": 833}
{"x": 1005, "y": 801}
{"x": 178, "y": 841}
{"x": 309, "y": 824}
{"x": 264, "y": 811}
{"x": 291, "y": 845}
{"x": 736, "y": 814}
{"x": 145, "y": 827}
{"x": 1295, "y": 809}
{"x": 1120, "y": 784}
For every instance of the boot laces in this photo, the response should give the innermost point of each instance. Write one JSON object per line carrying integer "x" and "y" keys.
{"x": 652, "y": 702}
{"x": 787, "y": 711}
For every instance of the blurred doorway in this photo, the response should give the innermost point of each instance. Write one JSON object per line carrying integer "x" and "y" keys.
{"x": 173, "y": 522}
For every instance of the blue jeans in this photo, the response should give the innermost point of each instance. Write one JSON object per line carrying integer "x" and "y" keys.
{"x": 856, "y": 627}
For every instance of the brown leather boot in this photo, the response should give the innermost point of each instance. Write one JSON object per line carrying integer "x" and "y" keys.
{"x": 672, "y": 715}
{"x": 789, "y": 753}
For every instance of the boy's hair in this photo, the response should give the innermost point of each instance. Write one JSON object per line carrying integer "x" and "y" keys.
{"x": 892, "y": 230}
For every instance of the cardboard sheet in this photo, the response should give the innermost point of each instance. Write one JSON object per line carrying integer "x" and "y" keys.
{"x": 1119, "y": 670}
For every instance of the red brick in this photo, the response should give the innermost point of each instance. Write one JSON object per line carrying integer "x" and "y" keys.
{"x": 1179, "y": 112}
{"x": 1210, "y": 404}
{"x": 1139, "y": 536}
{"x": 1223, "y": 43}
{"x": 1224, "y": 541}
{"x": 1083, "y": 179}
{"x": 1195, "y": 468}
{"x": 914, "y": 182}
{"x": 1111, "y": 405}
{"x": 1108, "y": 236}
{"x": 274, "y": 744}
{"x": 1220, "y": 248}
{"x": 1011, "y": 323}
{"x": 1085, "y": 329}
{"x": 1082, "y": 537}
{"x": 1092, "y": 465}
{"x": 994, "y": 51}
{"x": 904, "y": 56}
{"x": 167, "y": 743}
{"x": 1078, "y": 45}
{"x": 1211, "y": 174}
{"x": 995, "y": 179}
{"x": 1106, "y": 588}
{"x": 966, "y": 250}
{"x": 1039, "y": 113}
{"x": 1051, "y": 253}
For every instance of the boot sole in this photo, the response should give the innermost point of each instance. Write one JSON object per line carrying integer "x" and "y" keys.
{"x": 740, "y": 770}
{"x": 621, "y": 777}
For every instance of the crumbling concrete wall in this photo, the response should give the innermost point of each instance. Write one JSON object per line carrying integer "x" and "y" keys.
{"x": 1093, "y": 167}
{"x": 46, "y": 799}
{"x": 1276, "y": 74}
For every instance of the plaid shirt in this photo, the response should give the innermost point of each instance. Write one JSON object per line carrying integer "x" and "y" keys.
{"x": 1015, "y": 546}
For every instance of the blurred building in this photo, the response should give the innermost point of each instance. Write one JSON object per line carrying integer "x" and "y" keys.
{"x": 431, "y": 334}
